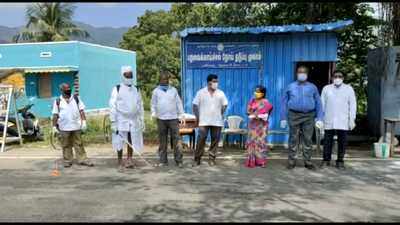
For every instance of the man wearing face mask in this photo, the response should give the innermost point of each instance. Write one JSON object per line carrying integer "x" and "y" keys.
{"x": 69, "y": 120}
{"x": 340, "y": 107}
{"x": 127, "y": 118}
{"x": 302, "y": 108}
{"x": 209, "y": 106}
{"x": 166, "y": 106}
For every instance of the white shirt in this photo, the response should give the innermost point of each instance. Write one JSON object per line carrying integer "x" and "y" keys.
{"x": 339, "y": 106}
{"x": 166, "y": 105}
{"x": 69, "y": 117}
{"x": 210, "y": 107}
{"x": 126, "y": 108}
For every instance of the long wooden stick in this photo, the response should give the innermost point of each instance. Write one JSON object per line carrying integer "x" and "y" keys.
{"x": 140, "y": 155}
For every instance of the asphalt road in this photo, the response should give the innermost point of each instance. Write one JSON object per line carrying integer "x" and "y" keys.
{"x": 367, "y": 191}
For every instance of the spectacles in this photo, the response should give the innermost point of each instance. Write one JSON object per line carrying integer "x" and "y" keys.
{"x": 338, "y": 76}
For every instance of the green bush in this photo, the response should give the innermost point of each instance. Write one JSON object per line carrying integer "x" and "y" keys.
{"x": 150, "y": 135}
{"x": 95, "y": 131}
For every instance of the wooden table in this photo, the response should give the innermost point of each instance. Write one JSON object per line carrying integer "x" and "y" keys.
{"x": 392, "y": 121}
{"x": 189, "y": 129}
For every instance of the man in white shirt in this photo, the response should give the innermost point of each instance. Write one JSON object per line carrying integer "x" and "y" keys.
{"x": 127, "y": 118}
{"x": 340, "y": 107}
{"x": 69, "y": 120}
{"x": 166, "y": 106}
{"x": 209, "y": 106}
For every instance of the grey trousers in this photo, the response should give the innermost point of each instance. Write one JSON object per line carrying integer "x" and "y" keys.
{"x": 171, "y": 127}
{"x": 215, "y": 136}
{"x": 301, "y": 129}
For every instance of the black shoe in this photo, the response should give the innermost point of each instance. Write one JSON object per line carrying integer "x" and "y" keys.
{"x": 291, "y": 165}
{"x": 340, "y": 165}
{"x": 67, "y": 164}
{"x": 310, "y": 166}
{"x": 196, "y": 163}
{"x": 325, "y": 164}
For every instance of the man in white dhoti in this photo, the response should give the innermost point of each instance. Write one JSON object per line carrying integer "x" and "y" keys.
{"x": 127, "y": 118}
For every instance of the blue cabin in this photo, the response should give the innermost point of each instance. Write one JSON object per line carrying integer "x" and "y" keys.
{"x": 92, "y": 70}
{"x": 244, "y": 57}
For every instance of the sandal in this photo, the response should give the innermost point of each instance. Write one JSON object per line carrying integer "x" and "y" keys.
{"x": 67, "y": 164}
{"x": 121, "y": 168}
{"x": 86, "y": 163}
{"x": 129, "y": 164}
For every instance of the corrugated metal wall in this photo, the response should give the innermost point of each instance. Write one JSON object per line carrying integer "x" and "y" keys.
{"x": 238, "y": 85}
{"x": 280, "y": 54}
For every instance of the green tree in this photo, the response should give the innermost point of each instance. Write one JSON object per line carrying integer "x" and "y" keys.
{"x": 390, "y": 27}
{"x": 243, "y": 14}
{"x": 194, "y": 15}
{"x": 156, "y": 48}
{"x": 49, "y": 22}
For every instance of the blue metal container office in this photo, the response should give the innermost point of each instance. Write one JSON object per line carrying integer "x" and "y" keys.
{"x": 91, "y": 69}
{"x": 245, "y": 57}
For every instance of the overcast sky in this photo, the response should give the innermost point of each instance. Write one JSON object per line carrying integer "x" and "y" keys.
{"x": 95, "y": 14}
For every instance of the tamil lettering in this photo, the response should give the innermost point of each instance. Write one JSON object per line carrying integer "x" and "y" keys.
{"x": 220, "y": 55}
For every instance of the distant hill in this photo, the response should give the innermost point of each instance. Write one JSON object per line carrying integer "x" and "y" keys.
{"x": 103, "y": 35}
{"x": 107, "y": 36}
{"x": 6, "y": 33}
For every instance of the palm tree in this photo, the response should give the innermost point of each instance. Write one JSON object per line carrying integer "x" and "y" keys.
{"x": 50, "y": 22}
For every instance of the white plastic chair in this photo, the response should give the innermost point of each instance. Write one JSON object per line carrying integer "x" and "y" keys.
{"x": 234, "y": 123}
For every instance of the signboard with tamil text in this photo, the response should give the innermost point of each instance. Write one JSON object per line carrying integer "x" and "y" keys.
{"x": 224, "y": 55}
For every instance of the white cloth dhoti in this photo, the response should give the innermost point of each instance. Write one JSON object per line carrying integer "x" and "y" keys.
{"x": 118, "y": 142}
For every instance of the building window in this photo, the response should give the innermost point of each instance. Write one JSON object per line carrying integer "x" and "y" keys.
{"x": 76, "y": 83}
{"x": 44, "y": 86}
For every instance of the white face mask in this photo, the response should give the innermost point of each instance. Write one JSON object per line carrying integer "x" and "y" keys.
{"x": 127, "y": 81}
{"x": 302, "y": 76}
{"x": 338, "y": 81}
{"x": 214, "y": 85}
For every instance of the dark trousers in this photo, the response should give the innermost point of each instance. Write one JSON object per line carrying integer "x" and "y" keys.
{"x": 171, "y": 127}
{"x": 301, "y": 129}
{"x": 328, "y": 144}
{"x": 203, "y": 133}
